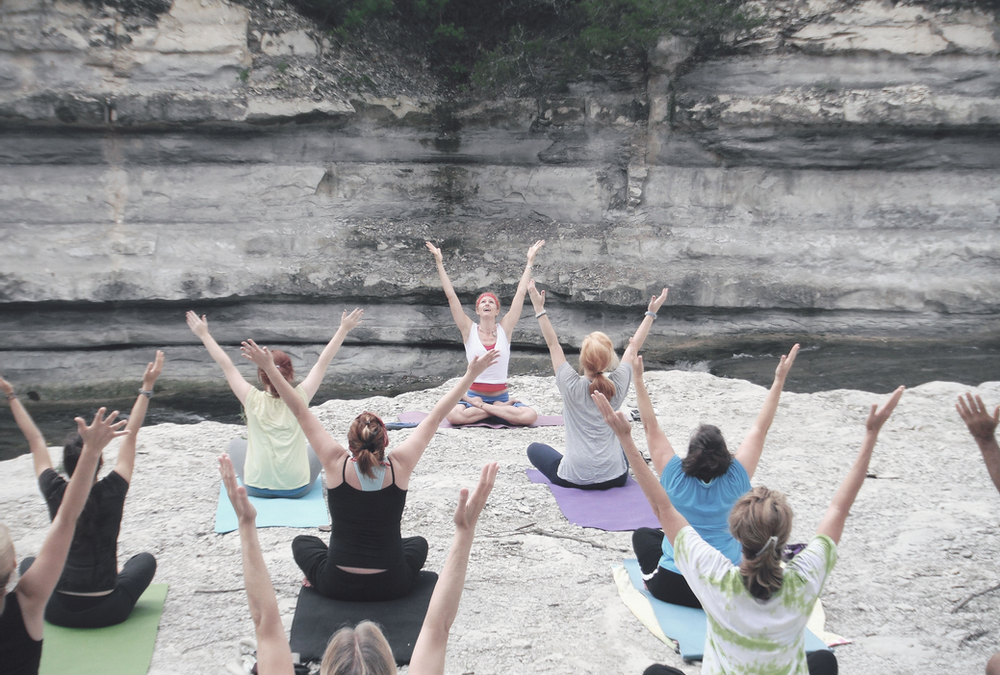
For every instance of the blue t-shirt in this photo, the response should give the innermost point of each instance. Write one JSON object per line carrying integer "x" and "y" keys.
{"x": 705, "y": 506}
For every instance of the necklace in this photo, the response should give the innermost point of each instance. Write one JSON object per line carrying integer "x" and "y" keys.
{"x": 491, "y": 334}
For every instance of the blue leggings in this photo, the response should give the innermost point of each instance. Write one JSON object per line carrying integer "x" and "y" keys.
{"x": 546, "y": 459}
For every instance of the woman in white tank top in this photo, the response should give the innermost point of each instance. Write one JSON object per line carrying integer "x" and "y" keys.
{"x": 488, "y": 395}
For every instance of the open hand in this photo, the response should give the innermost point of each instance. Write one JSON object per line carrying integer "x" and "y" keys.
{"x": 261, "y": 356}
{"x": 481, "y": 363}
{"x": 198, "y": 325}
{"x": 99, "y": 433}
{"x": 637, "y": 368}
{"x": 6, "y": 387}
{"x": 245, "y": 511}
{"x": 435, "y": 251}
{"x": 878, "y": 416}
{"x": 617, "y": 420}
{"x": 153, "y": 371}
{"x": 350, "y": 321}
{"x": 534, "y": 249}
{"x": 471, "y": 505}
{"x": 537, "y": 298}
{"x": 657, "y": 301}
{"x": 785, "y": 364}
{"x": 977, "y": 417}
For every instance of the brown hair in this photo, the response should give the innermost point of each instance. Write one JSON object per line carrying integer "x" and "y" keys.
{"x": 284, "y": 365}
{"x": 367, "y": 439}
{"x": 707, "y": 456}
{"x": 756, "y": 517}
{"x": 597, "y": 355}
{"x": 361, "y": 650}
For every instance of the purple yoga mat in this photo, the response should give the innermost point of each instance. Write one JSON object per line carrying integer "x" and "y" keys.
{"x": 542, "y": 421}
{"x": 615, "y": 510}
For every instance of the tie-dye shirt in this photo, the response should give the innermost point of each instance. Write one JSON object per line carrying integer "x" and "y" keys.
{"x": 746, "y": 636}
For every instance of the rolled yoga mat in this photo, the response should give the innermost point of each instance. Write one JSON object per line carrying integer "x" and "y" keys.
{"x": 125, "y": 649}
{"x": 613, "y": 510}
{"x": 414, "y": 417}
{"x": 317, "y": 618}
{"x": 307, "y": 511}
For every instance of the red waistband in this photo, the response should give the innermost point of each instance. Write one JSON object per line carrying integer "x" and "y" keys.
{"x": 487, "y": 388}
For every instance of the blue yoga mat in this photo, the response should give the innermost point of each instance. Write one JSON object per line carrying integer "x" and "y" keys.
{"x": 308, "y": 511}
{"x": 687, "y": 625}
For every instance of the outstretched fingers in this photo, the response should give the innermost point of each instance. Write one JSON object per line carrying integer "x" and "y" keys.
{"x": 351, "y": 321}
{"x": 259, "y": 355}
{"x": 236, "y": 493}
{"x": 470, "y": 504}
{"x": 434, "y": 250}
{"x": 657, "y": 300}
{"x": 102, "y": 429}
{"x": 878, "y": 416}
{"x": 616, "y": 420}
{"x": 480, "y": 363}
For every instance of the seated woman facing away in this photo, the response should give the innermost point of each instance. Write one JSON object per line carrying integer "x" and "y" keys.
{"x": 758, "y": 610}
{"x": 703, "y": 486}
{"x": 274, "y": 460}
{"x": 593, "y": 459}
{"x": 91, "y": 592}
{"x": 367, "y": 558}
{"x": 23, "y": 600}
{"x": 488, "y": 395}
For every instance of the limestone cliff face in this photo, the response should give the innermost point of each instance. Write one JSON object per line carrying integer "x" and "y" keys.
{"x": 838, "y": 173}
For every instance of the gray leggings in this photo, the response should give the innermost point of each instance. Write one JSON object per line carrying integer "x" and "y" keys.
{"x": 238, "y": 454}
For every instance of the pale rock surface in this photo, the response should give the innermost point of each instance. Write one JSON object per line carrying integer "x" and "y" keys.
{"x": 922, "y": 537}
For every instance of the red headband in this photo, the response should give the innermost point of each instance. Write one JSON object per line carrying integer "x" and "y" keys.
{"x": 485, "y": 295}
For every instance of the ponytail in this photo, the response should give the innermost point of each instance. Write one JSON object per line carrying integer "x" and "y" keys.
{"x": 597, "y": 355}
{"x": 366, "y": 440}
{"x": 761, "y": 521}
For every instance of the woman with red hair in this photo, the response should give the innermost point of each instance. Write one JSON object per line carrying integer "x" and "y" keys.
{"x": 274, "y": 460}
{"x": 488, "y": 395}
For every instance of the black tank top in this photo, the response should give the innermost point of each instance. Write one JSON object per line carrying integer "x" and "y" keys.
{"x": 365, "y": 527}
{"x": 19, "y": 654}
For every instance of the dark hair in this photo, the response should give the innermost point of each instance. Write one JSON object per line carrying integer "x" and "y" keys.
{"x": 707, "y": 456}
{"x": 71, "y": 453}
{"x": 367, "y": 439}
{"x": 756, "y": 517}
{"x": 284, "y": 365}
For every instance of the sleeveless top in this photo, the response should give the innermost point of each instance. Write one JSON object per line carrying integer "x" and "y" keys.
{"x": 276, "y": 445}
{"x": 365, "y": 528}
{"x": 19, "y": 654}
{"x": 497, "y": 373}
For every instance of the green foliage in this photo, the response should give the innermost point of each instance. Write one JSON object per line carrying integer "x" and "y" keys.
{"x": 244, "y": 75}
{"x": 282, "y": 67}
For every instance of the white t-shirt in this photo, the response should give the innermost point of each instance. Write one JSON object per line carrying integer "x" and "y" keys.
{"x": 593, "y": 453}
{"x": 746, "y": 636}
{"x": 276, "y": 445}
{"x": 497, "y": 373}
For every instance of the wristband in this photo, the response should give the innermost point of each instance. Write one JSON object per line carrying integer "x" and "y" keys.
{"x": 148, "y": 393}
{"x": 652, "y": 314}
{"x": 11, "y": 396}
{"x": 539, "y": 314}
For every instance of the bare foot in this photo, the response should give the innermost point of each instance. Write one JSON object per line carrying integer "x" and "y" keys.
{"x": 474, "y": 400}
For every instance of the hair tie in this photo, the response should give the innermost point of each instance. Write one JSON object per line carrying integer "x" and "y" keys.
{"x": 771, "y": 543}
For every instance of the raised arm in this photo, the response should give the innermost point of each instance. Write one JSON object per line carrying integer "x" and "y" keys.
{"x": 513, "y": 315}
{"x": 752, "y": 446}
{"x": 126, "y": 454}
{"x": 635, "y": 344}
{"x": 409, "y": 452}
{"x": 548, "y": 331}
{"x": 832, "y": 524}
{"x": 660, "y": 450}
{"x": 327, "y": 449}
{"x": 274, "y": 657}
{"x": 432, "y": 643}
{"x": 199, "y": 326}
{"x": 462, "y": 320}
{"x": 40, "y": 580}
{"x": 348, "y": 322}
{"x": 983, "y": 428}
{"x": 670, "y": 519}
{"x": 36, "y": 441}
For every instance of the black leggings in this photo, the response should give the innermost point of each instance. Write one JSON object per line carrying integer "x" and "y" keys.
{"x": 546, "y": 459}
{"x": 665, "y": 584}
{"x": 90, "y": 611}
{"x": 313, "y": 558}
{"x": 820, "y": 663}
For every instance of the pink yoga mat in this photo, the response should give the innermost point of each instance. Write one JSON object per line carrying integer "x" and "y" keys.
{"x": 615, "y": 510}
{"x": 415, "y": 416}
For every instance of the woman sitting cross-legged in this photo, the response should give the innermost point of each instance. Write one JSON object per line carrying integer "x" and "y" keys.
{"x": 757, "y": 611}
{"x": 367, "y": 559}
{"x": 92, "y": 593}
{"x": 703, "y": 486}
{"x": 363, "y": 648}
{"x": 593, "y": 459}
{"x": 274, "y": 460}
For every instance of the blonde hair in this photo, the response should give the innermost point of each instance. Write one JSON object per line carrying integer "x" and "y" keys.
{"x": 756, "y": 517}
{"x": 8, "y": 560}
{"x": 597, "y": 355}
{"x": 361, "y": 650}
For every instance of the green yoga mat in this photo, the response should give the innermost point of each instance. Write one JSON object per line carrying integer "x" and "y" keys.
{"x": 125, "y": 649}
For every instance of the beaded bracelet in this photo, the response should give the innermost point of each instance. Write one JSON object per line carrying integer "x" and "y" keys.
{"x": 652, "y": 314}
{"x": 147, "y": 393}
